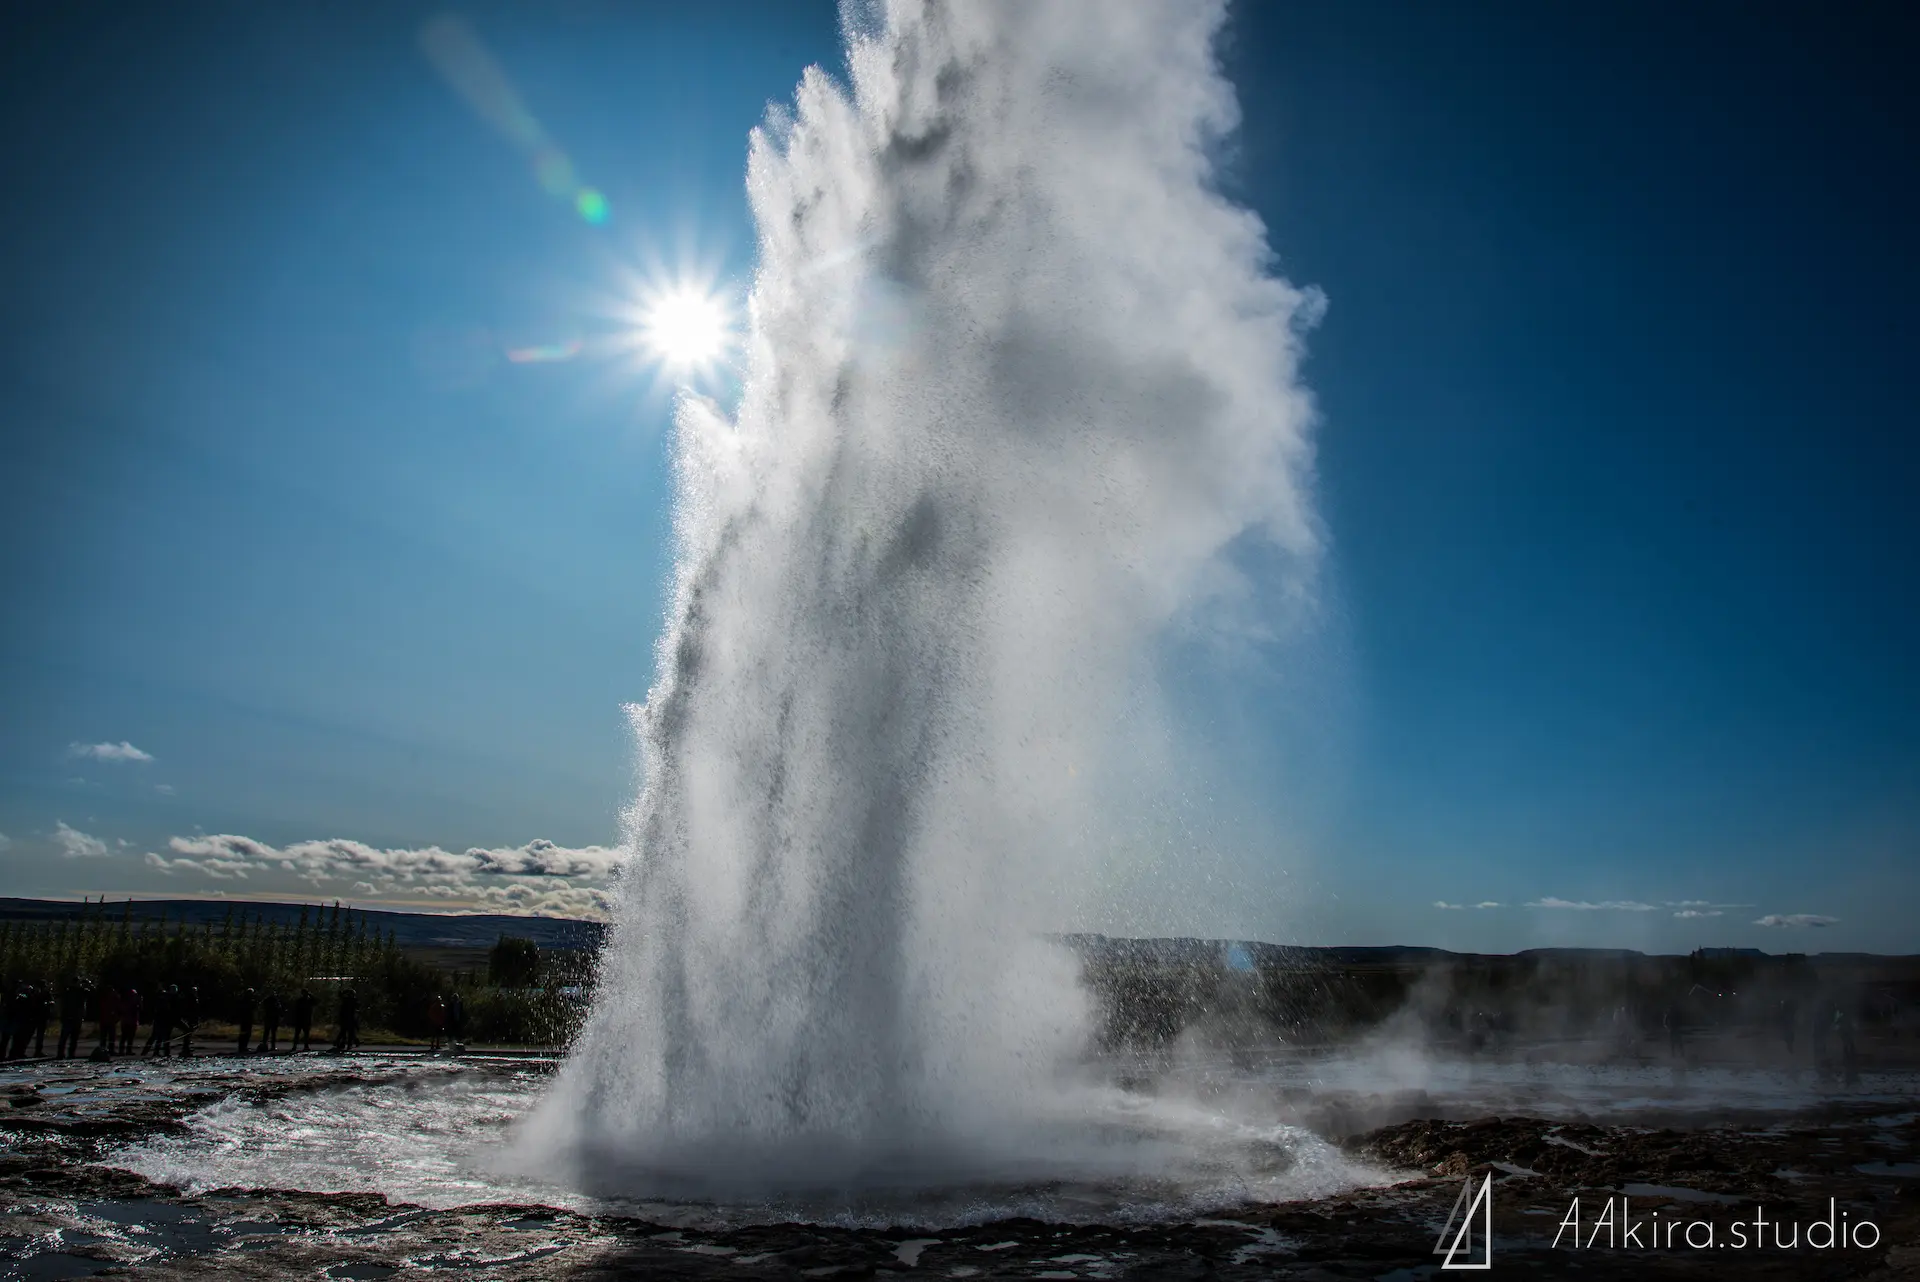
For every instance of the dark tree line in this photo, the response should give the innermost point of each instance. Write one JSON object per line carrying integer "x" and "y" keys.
{"x": 329, "y": 948}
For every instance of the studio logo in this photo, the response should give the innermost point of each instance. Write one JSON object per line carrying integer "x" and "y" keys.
{"x": 1461, "y": 1248}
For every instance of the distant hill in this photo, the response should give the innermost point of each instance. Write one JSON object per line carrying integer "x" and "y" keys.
{"x": 482, "y": 930}
{"x": 1118, "y": 948}
{"x": 410, "y": 930}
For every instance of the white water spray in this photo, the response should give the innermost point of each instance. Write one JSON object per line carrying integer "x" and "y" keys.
{"x": 1017, "y": 378}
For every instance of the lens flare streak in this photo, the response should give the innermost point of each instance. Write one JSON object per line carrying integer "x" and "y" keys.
{"x": 470, "y": 70}
{"x": 542, "y": 355}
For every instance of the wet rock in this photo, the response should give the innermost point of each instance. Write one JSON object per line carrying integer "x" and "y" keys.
{"x": 53, "y": 1191}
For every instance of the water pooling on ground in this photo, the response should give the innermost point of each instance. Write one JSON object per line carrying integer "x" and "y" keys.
{"x": 439, "y": 1135}
{"x": 400, "y": 1123}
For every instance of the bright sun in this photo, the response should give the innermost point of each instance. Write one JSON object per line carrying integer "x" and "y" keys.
{"x": 685, "y": 328}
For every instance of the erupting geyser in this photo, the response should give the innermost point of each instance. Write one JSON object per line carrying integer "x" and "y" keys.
{"x": 1017, "y": 377}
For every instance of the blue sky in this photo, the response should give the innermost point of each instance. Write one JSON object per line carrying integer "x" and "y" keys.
{"x": 1615, "y": 452}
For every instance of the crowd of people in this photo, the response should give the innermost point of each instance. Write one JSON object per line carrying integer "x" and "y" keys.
{"x": 174, "y": 1016}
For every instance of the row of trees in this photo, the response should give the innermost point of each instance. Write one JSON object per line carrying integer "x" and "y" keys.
{"x": 328, "y": 948}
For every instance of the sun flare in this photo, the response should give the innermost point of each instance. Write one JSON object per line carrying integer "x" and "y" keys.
{"x": 686, "y": 328}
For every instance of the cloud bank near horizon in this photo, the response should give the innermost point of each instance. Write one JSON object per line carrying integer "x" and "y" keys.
{"x": 1682, "y": 909}
{"x": 544, "y": 878}
{"x": 539, "y": 878}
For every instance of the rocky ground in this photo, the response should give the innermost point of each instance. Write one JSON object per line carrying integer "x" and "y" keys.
{"x": 62, "y": 1215}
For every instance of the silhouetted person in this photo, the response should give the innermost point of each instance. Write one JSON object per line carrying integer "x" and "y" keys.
{"x": 160, "y": 1032}
{"x": 303, "y": 1021}
{"x": 42, "y": 1016}
{"x": 436, "y": 1023}
{"x": 347, "y": 1036}
{"x": 129, "y": 1019}
{"x": 1789, "y": 1021}
{"x": 11, "y": 1015}
{"x": 109, "y": 1021}
{"x": 73, "y": 1009}
{"x": 1849, "y": 1051}
{"x": 456, "y": 1018}
{"x": 1625, "y": 1036}
{"x": 20, "y": 1007}
{"x": 247, "y": 1002}
{"x": 1822, "y": 1026}
{"x": 1675, "y": 1022}
{"x": 1479, "y": 1030}
{"x": 187, "y": 1015}
{"x": 26, "y": 1011}
{"x": 270, "y": 1021}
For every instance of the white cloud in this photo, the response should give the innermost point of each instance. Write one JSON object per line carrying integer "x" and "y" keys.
{"x": 122, "y": 751}
{"x": 5, "y": 841}
{"x": 1485, "y": 903}
{"x": 556, "y": 900}
{"x": 1795, "y": 920}
{"x": 164, "y": 789}
{"x": 75, "y": 844}
{"x": 539, "y": 877}
{"x": 1489, "y": 903}
{"x": 212, "y": 866}
{"x": 1441, "y": 903}
{"x": 1605, "y": 905}
{"x": 1697, "y": 912}
{"x": 544, "y": 859}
